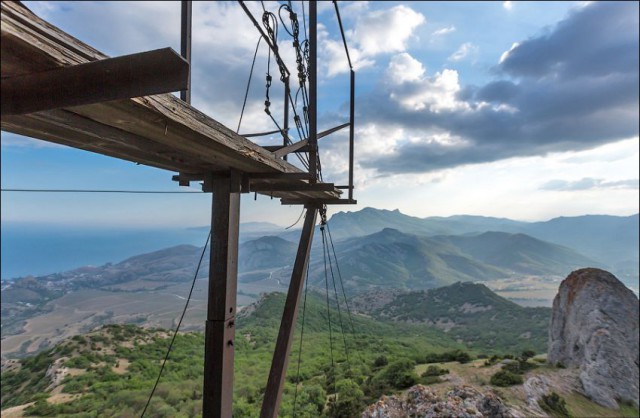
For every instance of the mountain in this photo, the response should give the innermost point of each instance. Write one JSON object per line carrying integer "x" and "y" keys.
{"x": 519, "y": 253}
{"x": 611, "y": 241}
{"x": 369, "y": 220}
{"x": 393, "y": 259}
{"x": 468, "y": 312}
{"x": 265, "y": 252}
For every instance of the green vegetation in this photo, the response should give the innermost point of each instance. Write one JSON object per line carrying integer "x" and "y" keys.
{"x": 382, "y": 357}
{"x": 474, "y": 314}
{"x": 454, "y": 355}
{"x": 504, "y": 378}
{"x": 510, "y": 373}
{"x": 432, "y": 375}
{"x": 554, "y": 405}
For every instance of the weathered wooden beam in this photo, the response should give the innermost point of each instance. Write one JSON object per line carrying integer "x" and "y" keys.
{"x": 278, "y": 372}
{"x": 320, "y": 201}
{"x": 146, "y": 73}
{"x": 217, "y": 397}
{"x": 296, "y": 187}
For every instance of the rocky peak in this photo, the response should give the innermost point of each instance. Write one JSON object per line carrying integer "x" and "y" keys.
{"x": 594, "y": 327}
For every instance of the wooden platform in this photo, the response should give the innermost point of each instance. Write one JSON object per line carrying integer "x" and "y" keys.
{"x": 160, "y": 131}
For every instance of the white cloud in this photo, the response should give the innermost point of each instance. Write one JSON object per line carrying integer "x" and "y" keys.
{"x": 444, "y": 31}
{"x": 465, "y": 50}
{"x": 403, "y": 67}
{"x": 375, "y": 32}
{"x": 416, "y": 92}
{"x": 384, "y": 31}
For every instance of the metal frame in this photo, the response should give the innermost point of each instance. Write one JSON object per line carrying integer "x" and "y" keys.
{"x": 278, "y": 371}
{"x": 185, "y": 43}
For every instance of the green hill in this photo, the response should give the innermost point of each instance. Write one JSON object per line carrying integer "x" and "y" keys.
{"x": 111, "y": 371}
{"x": 393, "y": 259}
{"x": 470, "y": 313}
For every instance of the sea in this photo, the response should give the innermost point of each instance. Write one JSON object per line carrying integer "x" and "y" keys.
{"x": 39, "y": 250}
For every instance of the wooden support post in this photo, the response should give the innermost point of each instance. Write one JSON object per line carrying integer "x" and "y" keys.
{"x": 221, "y": 310}
{"x": 275, "y": 384}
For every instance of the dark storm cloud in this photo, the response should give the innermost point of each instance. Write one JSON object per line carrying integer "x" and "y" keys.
{"x": 573, "y": 88}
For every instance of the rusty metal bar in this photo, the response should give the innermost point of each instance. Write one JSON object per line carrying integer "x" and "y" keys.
{"x": 135, "y": 75}
{"x": 313, "y": 90}
{"x": 185, "y": 44}
{"x": 285, "y": 126}
{"x": 217, "y": 397}
{"x": 274, "y": 48}
{"x": 278, "y": 372}
{"x": 351, "y": 130}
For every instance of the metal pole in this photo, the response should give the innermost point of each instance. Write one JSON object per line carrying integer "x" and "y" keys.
{"x": 285, "y": 126}
{"x": 351, "y": 131}
{"x": 217, "y": 398}
{"x": 185, "y": 45}
{"x": 278, "y": 372}
{"x": 313, "y": 90}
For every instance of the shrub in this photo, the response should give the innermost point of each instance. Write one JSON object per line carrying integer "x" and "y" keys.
{"x": 519, "y": 367}
{"x": 455, "y": 355}
{"x": 380, "y": 361}
{"x": 554, "y": 405}
{"x": 434, "y": 371}
{"x": 492, "y": 360}
{"x": 504, "y": 378}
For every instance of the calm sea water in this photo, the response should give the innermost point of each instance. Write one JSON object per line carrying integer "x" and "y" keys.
{"x": 44, "y": 249}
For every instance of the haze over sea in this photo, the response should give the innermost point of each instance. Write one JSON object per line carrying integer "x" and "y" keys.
{"x": 37, "y": 249}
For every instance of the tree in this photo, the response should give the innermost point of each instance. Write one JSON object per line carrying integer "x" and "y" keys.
{"x": 348, "y": 401}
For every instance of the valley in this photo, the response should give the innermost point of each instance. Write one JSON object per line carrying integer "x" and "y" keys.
{"x": 150, "y": 289}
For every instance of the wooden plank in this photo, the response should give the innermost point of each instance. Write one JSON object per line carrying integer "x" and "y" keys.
{"x": 278, "y": 372}
{"x": 135, "y": 75}
{"x": 318, "y": 201}
{"x": 217, "y": 394}
{"x": 280, "y": 187}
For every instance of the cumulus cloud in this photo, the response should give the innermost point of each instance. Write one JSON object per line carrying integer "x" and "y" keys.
{"x": 413, "y": 91}
{"x": 589, "y": 183}
{"x": 573, "y": 87}
{"x": 374, "y": 32}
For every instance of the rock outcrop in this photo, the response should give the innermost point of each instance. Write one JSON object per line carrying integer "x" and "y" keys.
{"x": 594, "y": 327}
{"x": 421, "y": 401}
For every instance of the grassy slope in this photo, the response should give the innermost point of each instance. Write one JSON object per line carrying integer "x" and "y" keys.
{"x": 483, "y": 320}
{"x": 179, "y": 393}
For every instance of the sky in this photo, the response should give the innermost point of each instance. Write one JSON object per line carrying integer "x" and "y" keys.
{"x": 523, "y": 110}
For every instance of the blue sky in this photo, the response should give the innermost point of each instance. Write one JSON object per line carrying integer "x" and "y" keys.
{"x": 526, "y": 110}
